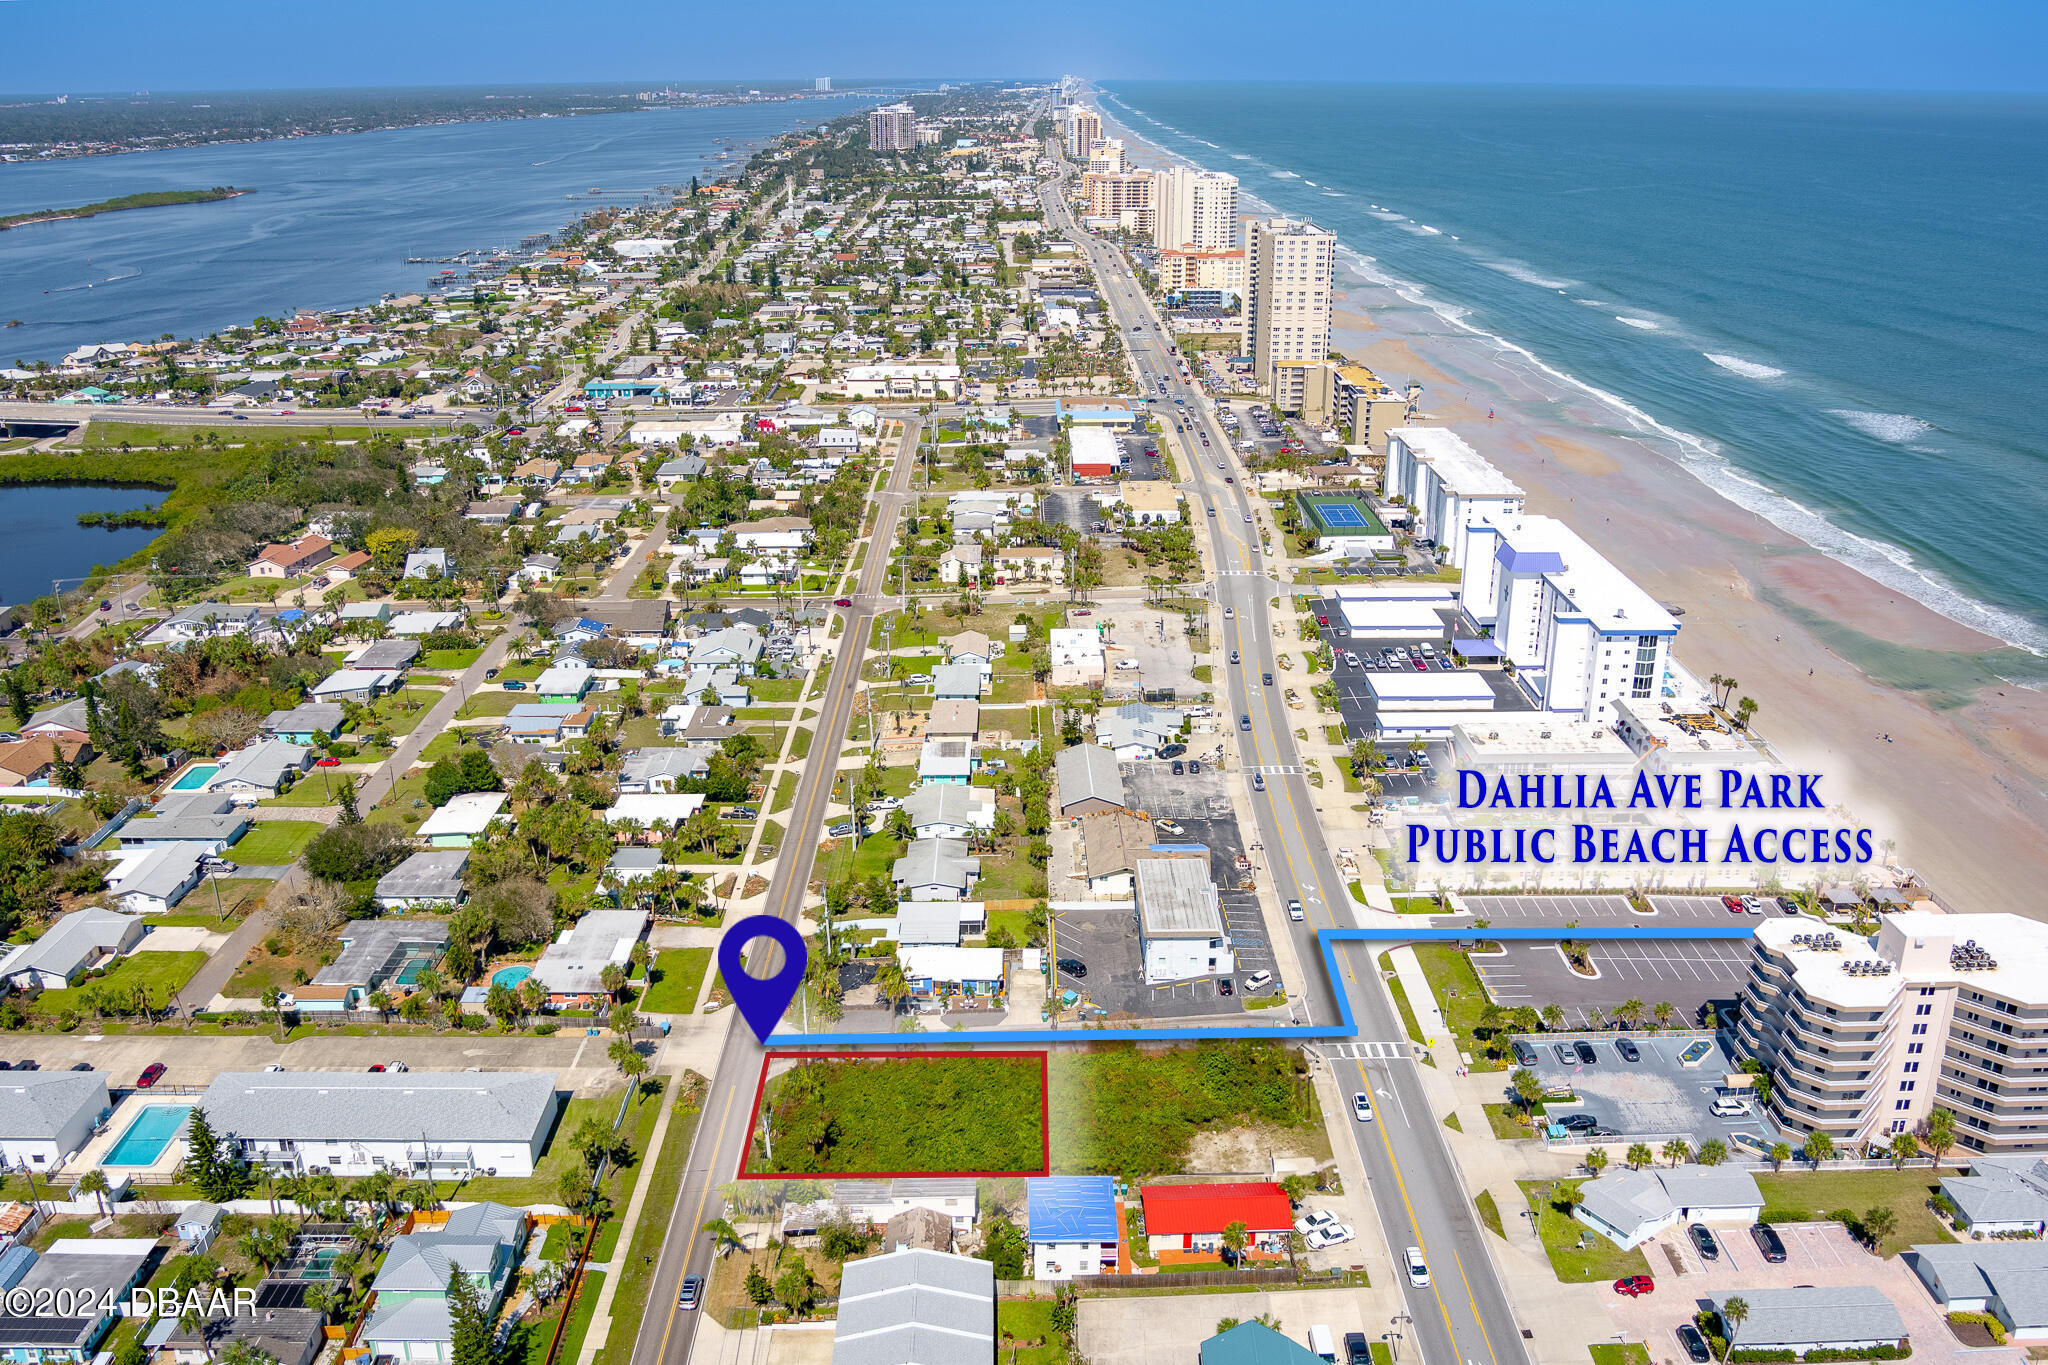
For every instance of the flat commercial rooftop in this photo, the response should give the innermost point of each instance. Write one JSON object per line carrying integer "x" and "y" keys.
{"x": 1394, "y": 620}
{"x": 1429, "y": 691}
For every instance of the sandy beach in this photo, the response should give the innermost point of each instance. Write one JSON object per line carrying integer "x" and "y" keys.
{"x": 1894, "y": 704}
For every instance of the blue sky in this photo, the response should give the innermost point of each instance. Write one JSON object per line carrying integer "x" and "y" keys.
{"x": 1978, "y": 45}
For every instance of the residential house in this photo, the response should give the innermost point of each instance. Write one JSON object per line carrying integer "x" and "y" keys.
{"x": 426, "y": 880}
{"x": 295, "y": 559}
{"x": 1181, "y": 930}
{"x": 463, "y": 820}
{"x": 412, "y": 1321}
{"x": 386, "y": 656}
{"x": 949, "y": 811}
{"x": 958, "y": 682}
{"x": 96, "y": 1274}
{"x": 376, "y": 955}
{"x": 1254, "y": 1343}
{"x": 659, "y": 770}
{"x": 1112, "y": 842}
{"x": 151, "y": 882}
{"x": 376, "y": 613}
{"x": 1852, "y": 1318}
{"x": 359, "y": 685}
{"x": 539, "y": 569}
{"x": 946, "y": 762}
{"x": 204, "y": 620}
{"x": 289, "y": 1336}
{"x": 564, "y": 684}
{"x": 955, "y": 718}
{"x": 1193, "y": 1217}
{"x": 940, "y": 923}
{"x": 572, "y": 967}
{"x": 1073, "y": 1226}
{"x": 428, "y": 563}
{"x": 653, "y": 811}
{"x": 961, "y": 563}
{"x": 67, "y": 721}
{"x": 2003, "y": 1278}
{"x": 916, "y": 1307}
{"x": 310, "y": 723}
{"x": 873, "y": 1203}
{"x": 1076, "y": 658}
{"x": 447, "y": 1125}
{"x": 1031, "y": 564}
{"x": 1089, "y": 780}
{"x": 261, "y": 769}
{"x": 209, "y": 819}
{"x": 33, "y": 762}
{"x": 2000, "y": 1197}
{"x": 48, "y": 1116}
{"x": 1136, "y": 731}
{"x": 1629, "y": 1207}
{"x": 936, "y": 870}
{"x": 735, "y": 645}
{"x": 940, "y": 973}
{"x": 543, "y": 723}
{"x": 424, "y": 622}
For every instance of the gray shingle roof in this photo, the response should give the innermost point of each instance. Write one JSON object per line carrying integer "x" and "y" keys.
{"x": 435, "y": 874}
{"x": 39, "y": 1104}
{"x": 68, "y": 944}
{"x": 1088, "y": 771}
{"x": 1797, "y": 1318}
{"x": 936, "y": 862}
{"x": 315, "y": 1106}
{"x": 915, "y": 1308}
{"x": 948, "y": 803}
{"x": 2000, "y": 1192}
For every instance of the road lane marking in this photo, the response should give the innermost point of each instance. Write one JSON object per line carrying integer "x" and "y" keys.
{"x": 697, "y": 1219}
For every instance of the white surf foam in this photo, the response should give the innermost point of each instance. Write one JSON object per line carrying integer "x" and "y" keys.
{"x": 1896, "y": 427}
{"x": 1283, "y": 175}
{"x": 1644, "y": 323}
{"x": 1748, "y": 369}
{"x": 1515, "y": 270}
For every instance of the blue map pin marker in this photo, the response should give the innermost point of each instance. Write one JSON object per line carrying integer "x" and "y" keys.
{"x": 762, "y": 1000}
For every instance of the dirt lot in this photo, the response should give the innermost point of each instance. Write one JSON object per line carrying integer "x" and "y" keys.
{"x": 1156, "y": 641}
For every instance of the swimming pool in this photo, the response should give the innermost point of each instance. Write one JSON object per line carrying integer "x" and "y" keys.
{"x": 195, "y": 777}
{"x": 510, "y": 977}
{"x": 148, "y": 1135}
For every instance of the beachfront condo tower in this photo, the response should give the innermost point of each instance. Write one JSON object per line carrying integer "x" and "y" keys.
{"x": 1289, "y": 266}
{"x": 1864, "y": 1038}
{"x": 892, "y": 128}
{"x": 1194, "y": 210}
{"x": 1084, "y": 126}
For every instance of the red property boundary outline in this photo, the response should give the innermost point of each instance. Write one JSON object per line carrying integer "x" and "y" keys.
{"x": 761, "y": 1093}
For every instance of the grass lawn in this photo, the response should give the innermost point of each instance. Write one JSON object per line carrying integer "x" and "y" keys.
{"x": 543, "y": 1186}
{"x": 930, "y": 1114}
{"x": 875, "y": 856}
{"x": 564, "y": 1238}
{"x": 1506, "y": 1121}
{"x": 800, "y": 746}
{"x": 1121, "y": 1111}
{"x": 1025, "y": 1326}
{"x": 775, "y": 690}
{"x": 1599, "y": 1259}
{"x": 491, "y": 704}
{"x": 1459, "y": 996}
{"x": 664, "y": 1183}
{"x": 450, "y": 660}
{"x": 529, "y": 1342}
{"x": 785, "y": 794}
{"x": 163, "y": 975}
{"x": 1797, "y": 1194}
{"x": 1010, "y": 877}
{"x": 317, "y": 788}
{"x": 1489, "y": 1212}
{"x": 200, "y": 910}
{"x": 262, "y": 969}
{"x": 678, "y": 976}
{"x": 1401, "y": 1001}
{"x": 1620, "y": 1353}
{"x": 274, "y": 843}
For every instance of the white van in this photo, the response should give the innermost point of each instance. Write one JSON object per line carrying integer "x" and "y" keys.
{"x": 1323, "y": 1342}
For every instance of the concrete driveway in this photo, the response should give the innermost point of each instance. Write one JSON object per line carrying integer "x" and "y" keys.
{"x": 1815, "y": 1254}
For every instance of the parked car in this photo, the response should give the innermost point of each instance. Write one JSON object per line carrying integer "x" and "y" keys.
{"x": 376, "y": 1066}
{"x": 1635, "y": 1286}
{"x": 1695, "y": 1345}
{"x": 738, "y": 813}
{"x": 81, "y": 1066}
{"x": 1335, "y": 1235}
{"x": 396, "y": 1066}
{"x": 1074, "y": 967}
{"x": 1577, "y": 1123}
{"x": 1628, "y": 1050}
{"x": 1768, "y": 1242}
{"x": 1733, "y": 904}
{"x": 28, "y": 1064}
{"x": 1233, "y": 656}
{"x": 1585, "y": 1052}
{"x": 1564, "y": 1053}
{"x": 514, "y": 686}
{"x": 1179, "y": 768}
{"x": 1226, "y": 987}
{"x": 1729, "y": 1107}
{"x": 327, "y": 761}
{"x": 1524, "y": 1054}
{"x": 692, "y": 1293}
{"x": 490, "y": 674}
{"x": 151, "y": 1074}
{"x": 1357, "y": 1350}
{"x": 1258, "y": 981}
{"x": 1126, "y": 665}
{"x": 1703, "y": 1241}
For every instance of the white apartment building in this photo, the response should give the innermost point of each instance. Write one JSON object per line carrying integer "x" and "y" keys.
{"x": 1181, "y": 933}
{"x": 1289, "y": 268}
{"x": 1579, "y": 632}
{"x": 1447, "y": 483}
{"x": 1194, "y": 210}
{"x": 1106, "y": 156}
{"x": 1865, "y": 1038}
{"x": 892, "y": 128}
{"x": 1084, "y": 127}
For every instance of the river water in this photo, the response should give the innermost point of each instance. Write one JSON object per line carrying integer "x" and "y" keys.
{"x": 332, "y": 219}
{"x": 44, "y": 546}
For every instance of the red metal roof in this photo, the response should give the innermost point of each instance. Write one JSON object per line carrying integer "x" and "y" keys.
{"x": 1176, "y": 1210}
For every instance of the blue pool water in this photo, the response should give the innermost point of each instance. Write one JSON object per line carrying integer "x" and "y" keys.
{"x": 147, "y": 1137}
{"x": 195, "y": 777}
{"x": 509, "y": 977}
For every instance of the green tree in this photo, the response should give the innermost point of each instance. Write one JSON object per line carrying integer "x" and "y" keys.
{"x": 470, "y": 1336}
{"x": 1003, "y": 1246}
{"x": 1527, "y": 1087}
{"x": 1938, "y": 1134}
{"x": 758, "y": 1290}
{"x": 1780, "y": 1154}
{"x": 1817, "y": 1148}
{"x": 1596, "y": 1160}
{"x": 94, "y": 1183}
{"x": 1235, "y": 1235}
{"x": 724, "y": 1237}
{"x": 1713, "y": 1152}
{"x": 1734, "y": 1313}
{"x": 1879, "y": 1222}
{"x": 1639, "y": 1155}
{"x": 1677, "y": 1150}
{"x": 795, "y": 1287}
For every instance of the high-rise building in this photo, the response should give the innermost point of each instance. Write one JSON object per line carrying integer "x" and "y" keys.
{"x": 1107, "y": 157}
{"x": 822, "y": 84}
{"x": 892, "y": 128}
{"x": 1084, "y": 126}
{"x": 1289, "y": 268}
{"x": 1864, "y": 1038}
{"x": 1126, "y": 197}
{"x": 1194, "y": 210}
{"x": 1182, "y": 270}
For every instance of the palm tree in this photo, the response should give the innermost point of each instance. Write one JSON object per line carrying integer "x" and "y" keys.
{"x": 380, "y": 1001}
{"x": 891, "y": 983}
{"x": 1663, "y": 1012}
{"x": 94, "y": 1183}
{"x": 1818, "y": 1148}
{"x": 1712, "y": 1152}
{"x": 533, "y": 996}
{"x": 725, "y": 1238}
{"x": 1734, "y": 1313}
{"x": 273, "y": 1000}
{"x": 1879, "y": 1222}
{"x": 1235, "y": 1235}
{"x": 612, "y": 978}
{"x": 1630, "y": 1011}
{"x": 1639, "y": 1155}
{"x": 1780, "y": 1154}
{"x": 1553, "y": 1018}
{"x": 1677, "y": 1150}
{"x": 1596, "y": 1160}
{"x": 1903, "y": 1149}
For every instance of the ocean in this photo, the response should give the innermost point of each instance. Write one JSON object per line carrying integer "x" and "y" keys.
{"x": 1827, "y": 306}
{"x": 332, "y": 219}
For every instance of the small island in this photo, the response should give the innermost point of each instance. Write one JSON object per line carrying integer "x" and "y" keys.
{"x": 151, "y": 200}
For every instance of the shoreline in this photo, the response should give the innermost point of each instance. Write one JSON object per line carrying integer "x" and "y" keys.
{"x": 157, "y": 200}
{"x": 1962, "y": 781}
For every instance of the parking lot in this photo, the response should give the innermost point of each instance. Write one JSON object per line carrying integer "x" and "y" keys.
{"x": 1354, "y": 689}
{"x": 1666, "y": 912}
{"x": 1655, "y": 1095}
{"x": 1107, "y": 940}
{"x": 1816, "y": 1254}
{"x": 1689, "y": 973}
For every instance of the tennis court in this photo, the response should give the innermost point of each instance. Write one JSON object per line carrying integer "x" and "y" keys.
{"x": 1341, "y": 514}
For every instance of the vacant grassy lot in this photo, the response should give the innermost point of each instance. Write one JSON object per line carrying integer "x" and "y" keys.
{"x": 162, "y": 975}
{"x": 677, "y": 977}
{"x": 1797, "y": 1194}
{"x": 1119, "y": 1111}
{"x": 945, "y": 1113}
{"x": 274, "y": 843}
{"x": 1460, "y": 997}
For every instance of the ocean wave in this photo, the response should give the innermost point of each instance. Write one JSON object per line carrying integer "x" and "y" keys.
{"x": 1334, "y": 194}
{"x": 1420, "y": 229}
{"x": 1644, "y": 323}
{"x": 1240, "y": 156}
{"x": 1283, "y": 175}
{"x": 1886, "y": 564}
{"x": 1895, "y": 427}
{"x": 1748, "y": 369}
{"x": 1516, "y": 271}
{"x": 1388, "y": 216}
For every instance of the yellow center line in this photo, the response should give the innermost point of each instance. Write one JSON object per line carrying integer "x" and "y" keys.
{"x": 1415, "y": 1226}
{"x": 696, "y": 1222}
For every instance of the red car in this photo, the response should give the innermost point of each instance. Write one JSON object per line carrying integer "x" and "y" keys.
{"x": 515, "y": 431}
{"x": 1635, "y": 1286}
{"x": 151, "y": 1074}
{"x": 1322, "y": 620}
{"x": 329, "y": 761}
{"x": 379, "y": 1066}
{"x": 1083, "y": 612}
{"x": 1734, "y": 904}
{"x": 842, "y": 601}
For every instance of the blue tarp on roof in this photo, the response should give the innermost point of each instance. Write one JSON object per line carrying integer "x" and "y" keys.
{"x": 1071, "y": 1208}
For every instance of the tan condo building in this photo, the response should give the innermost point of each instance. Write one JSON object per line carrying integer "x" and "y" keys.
{"x": 1864, "y": 1038}
{"x": 1289, "y": 268}
{"x": 1182, "y": 270}
{"x": 1195, "y": 210}
{"x": 892, "y": 128}
{"x": 1084, "y": 126}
